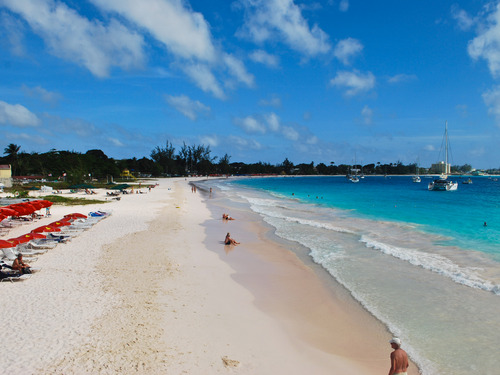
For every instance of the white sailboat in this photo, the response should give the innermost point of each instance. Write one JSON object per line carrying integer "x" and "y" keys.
{"x": 442, "y": 183}
{"x": 416, "y": 178}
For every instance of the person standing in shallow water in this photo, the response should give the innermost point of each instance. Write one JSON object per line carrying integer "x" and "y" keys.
{"x": 399, "y": 358}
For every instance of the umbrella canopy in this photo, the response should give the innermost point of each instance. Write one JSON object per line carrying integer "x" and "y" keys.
{"x": 5, "y": 244}
{"x": 45, "y": 203}
{"x": 30, "y": 236}
{"x": 6, "y": 211}
{"x": 2, "y": 217}
{"x": 120, "y": 187}
{"x": 59, "y": 223}
{"x": 76, "y": 215}
{"x": 46, "y": 228}
{"x": 14, "y": 241}
{"x": 37, "y": 204}
{"x": 21, "y": 209}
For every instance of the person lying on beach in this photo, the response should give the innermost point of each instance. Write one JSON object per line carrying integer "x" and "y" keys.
{"x": 20, "y": 265}
{"x": 399, "y": 359}
{"x": 229, "y": 240}
{"x": 226, "y": 217}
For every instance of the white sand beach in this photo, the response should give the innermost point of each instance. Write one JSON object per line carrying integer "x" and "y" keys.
{"x": 143, "y": 291}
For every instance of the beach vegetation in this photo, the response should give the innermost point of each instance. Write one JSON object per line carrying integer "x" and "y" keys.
{"x": 61, "y": 168}
{"x": 67, "y": 201}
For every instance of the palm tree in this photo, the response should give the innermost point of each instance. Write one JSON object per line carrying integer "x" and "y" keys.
{"x": 11, "y": 151}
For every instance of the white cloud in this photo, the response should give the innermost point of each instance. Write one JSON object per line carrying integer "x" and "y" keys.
{"x": 367, "y": 114}
{"x": 238, "y": 70}
{"x": 344, "y": 5}
{"x": 312, "y": 140}
{"x": 265, "y": 58}
{"x": 290, "y": 133}
{"x": 346, "y": 49}
{"x": 210, "y": 140}
{"x": 492, "y": 100}
{"x": 251, "y": 125}
{"x": 205, "y": 79}
{"x": 68, "y": 35}
{"x": 186, "y": 106}
{"x": 402, "y": 78}
{"x": 464, "y": 21}
{"x": 41, "y": 93}
{"x": 244, "y": 143}
{"x": 270, "y": 20}
{"x": 487, "y": 44}
{"x": 116, "y": 142}
{"x": 184, "y": 32}
{"x": 273, "y": 121}
{"x": 273, "y": 101}
{"x": 27, "y": 138}
{"x": 61, "y": 125}
{"x": 13, "y": 30}
{"x": 354, "y": 82}
{"x": 17, "y": 115}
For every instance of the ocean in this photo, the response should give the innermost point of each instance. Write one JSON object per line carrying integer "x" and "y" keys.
{"x": 424, "y": 263}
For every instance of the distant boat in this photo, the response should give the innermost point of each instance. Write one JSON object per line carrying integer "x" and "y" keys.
{"x": 468, "y": 181}
{"x": 416, "y": 178}
{"x": 442, "y": 183}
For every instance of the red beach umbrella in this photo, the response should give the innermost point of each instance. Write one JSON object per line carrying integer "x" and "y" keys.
{"x": 20, "y": 211}
{"x": 2, "y": 217}
{"x": 13, "y": 241}
{"x": 6, "y": 211}
{"x": 46, "y": 228}
{"x": 20, "y": 239}
{"x": 37, "y": 204}
{"x": 30, "y": 236}
{"x": 5, "y": 244}
{"x": 76, "y": 215}
{"x": 59, "y": 223}
{"x": 45, "y": 203}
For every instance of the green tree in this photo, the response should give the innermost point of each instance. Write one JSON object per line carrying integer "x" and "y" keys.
{"x": 12, "y": 154}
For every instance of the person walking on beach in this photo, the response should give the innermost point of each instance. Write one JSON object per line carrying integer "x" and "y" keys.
{"x": 399, "y": 358}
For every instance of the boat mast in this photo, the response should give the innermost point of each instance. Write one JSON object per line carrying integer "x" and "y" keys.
{"x": 446, "y": 148}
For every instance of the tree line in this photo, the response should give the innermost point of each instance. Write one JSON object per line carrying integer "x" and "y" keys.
{"x": 166, "y": 161}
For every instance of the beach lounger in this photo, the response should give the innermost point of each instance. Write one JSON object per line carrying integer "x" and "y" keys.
{"x": 58, "y": 238}
{"x": 8, "y": 274}
{"x": 14, "y": 277}
{"x": 43, "y": 244}
{"x": 11, "y": 255}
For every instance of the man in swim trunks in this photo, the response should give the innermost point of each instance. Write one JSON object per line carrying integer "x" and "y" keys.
{"x": 399, "y": 358}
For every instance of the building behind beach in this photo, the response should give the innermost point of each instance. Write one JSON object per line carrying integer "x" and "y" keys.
{"x": 441, "y": 168}
{"x": 5, "y": 175}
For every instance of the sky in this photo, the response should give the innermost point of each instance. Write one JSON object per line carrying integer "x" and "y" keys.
{"x": 323, "y": 81}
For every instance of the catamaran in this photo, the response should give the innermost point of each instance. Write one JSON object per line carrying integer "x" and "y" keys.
{"x": 442, "y": 183}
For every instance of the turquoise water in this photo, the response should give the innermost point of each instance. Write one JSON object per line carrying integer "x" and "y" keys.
{"x": 421, "y": 262}
{"x": 459, "y": 215}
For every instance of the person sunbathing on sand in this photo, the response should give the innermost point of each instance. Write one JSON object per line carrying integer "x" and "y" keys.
{"x": 226, "y": 217}
{"x": 229, "y": 240}
{"x": 19, "y": 264}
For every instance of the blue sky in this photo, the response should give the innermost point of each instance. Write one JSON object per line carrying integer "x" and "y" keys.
{"x": 261, "y": 80}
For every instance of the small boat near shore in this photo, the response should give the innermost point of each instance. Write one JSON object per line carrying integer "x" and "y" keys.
{"x": 468, "y": 181}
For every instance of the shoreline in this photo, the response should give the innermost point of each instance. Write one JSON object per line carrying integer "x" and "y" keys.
{"x": 151, "y": 289}
{"x": 283, "y": 275}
